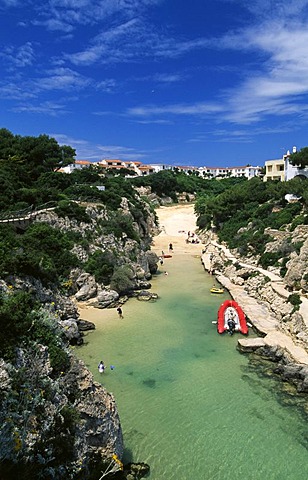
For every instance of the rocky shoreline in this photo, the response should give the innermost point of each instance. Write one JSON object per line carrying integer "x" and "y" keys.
{"x": 263, "y": 295}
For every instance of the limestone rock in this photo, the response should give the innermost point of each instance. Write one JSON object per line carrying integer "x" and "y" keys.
{"x": 250, "y": 344}
{"x": 5, "y": 380}
{"x": 135, "y": 471}
{"x": 297, "y": 269}
{"x": 71, "y": 331}
{"x": 85, "y": 325}
{"x": 88, "y": 287}
{"x": 296, "y": 374}
{"x": 106, "y": 297}
{"x": 100, "y": 424}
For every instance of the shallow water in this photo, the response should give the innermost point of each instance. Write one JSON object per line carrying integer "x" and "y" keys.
{"x": 191, "y": 406}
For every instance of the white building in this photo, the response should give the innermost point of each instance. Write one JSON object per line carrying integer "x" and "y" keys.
{"x": 78, "y": 165}
{"x": 246, "y": 171}
{"x": 282, "y": 170}
{"x": 291, "y": 171}
{"x": 141, "y": 169}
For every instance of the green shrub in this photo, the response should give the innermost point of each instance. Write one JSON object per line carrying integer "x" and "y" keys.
{"x": 101, "y": 265}
{"x": 46, "y": 253}
{"x": 204, "y": 221}
{"x": 269, "y": 259}
{"x": 295, "y": 300}
{"x": 122, "y": 279}
{"x": 297, "y": 246}
{"x": 59, "y": 359}
{"x": 119, "y": 223}
{"x": 283, "y": 268}
{"x": 16, "y": 317}
{"x": 72, "y": 210}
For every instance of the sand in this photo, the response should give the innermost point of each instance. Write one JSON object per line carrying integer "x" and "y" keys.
{"x": 175, "y": 222}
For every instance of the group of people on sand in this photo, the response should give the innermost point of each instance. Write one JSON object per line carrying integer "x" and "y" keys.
{"x": 192, "y": 238}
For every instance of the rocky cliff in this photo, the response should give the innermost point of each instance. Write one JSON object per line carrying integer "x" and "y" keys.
{"x": 274, "y": 303}
{"x": 122, "y": 250}
{"x": 59, "y": 423}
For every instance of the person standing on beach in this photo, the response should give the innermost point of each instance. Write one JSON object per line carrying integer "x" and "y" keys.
{"x": 120, "y": 313}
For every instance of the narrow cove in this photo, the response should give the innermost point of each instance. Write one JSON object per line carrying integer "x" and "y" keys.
{"x": 191, "y": 406}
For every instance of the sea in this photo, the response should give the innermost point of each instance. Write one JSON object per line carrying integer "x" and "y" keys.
{"x": 192, "y": 406}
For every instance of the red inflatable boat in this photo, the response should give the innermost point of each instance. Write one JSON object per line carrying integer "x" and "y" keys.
{"x": 231, "y": 318}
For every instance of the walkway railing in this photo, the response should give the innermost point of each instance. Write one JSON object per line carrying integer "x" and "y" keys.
{"x": 26, "y": 213}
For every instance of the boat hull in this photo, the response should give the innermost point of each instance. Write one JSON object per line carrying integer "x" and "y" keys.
{"x": 217, "y": 290}
{"x": 230, "y": 309}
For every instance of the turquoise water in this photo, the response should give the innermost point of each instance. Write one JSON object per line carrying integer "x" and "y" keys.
{"x": 191, "y": 406}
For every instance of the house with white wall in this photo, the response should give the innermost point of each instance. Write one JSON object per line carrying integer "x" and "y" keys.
{"x": 247, "y": 171}
{"x": 78, "y": 165}
{"x": 141, "y": 169}
{"x": 292, "y": 171}
{"x": 282, "y": 170}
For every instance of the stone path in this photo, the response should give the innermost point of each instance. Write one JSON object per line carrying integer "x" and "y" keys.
{"x": 258, "y": 314}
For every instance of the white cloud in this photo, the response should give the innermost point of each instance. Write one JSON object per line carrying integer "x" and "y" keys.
{"x": 201, "y": 108}
{"x": 168, "y": 77}
{"x": 107, "y": 85}
{"x": 276, "y": 84}
{"x": 155, "y": 121}
{"x": 54, "y": 24}
{"x": 12, "y": 91}
{"x": 132, "y": 41}
{"x": 61, "y": 79}
{"x": 66, "y": 15}
{"x": 10, "y": 3}
{"x": 45, "y": 108}
{"x": 281, "y": 81}
{"x": 19, "y": 57}
{"x": 239, "y": 135}
{"x": 91, "y": 151}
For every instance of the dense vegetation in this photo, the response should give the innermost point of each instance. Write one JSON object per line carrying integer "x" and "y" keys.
{"x": 299, "y": 159}
{"x": 241, "y": 214}
{"x": 169, "y": 183}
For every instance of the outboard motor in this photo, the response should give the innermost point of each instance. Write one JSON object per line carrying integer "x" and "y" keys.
{"x": 231, "y": 325}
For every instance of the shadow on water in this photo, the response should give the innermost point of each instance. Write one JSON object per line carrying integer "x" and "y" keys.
{"x": 285, "y": 394}
{"x": 128, "y": 456}
{"x": 150, "y": 382}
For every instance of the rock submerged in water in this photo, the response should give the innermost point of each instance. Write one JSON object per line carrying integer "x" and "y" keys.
{"x": 132, "y": 471}
{"x": 145, "y": 296}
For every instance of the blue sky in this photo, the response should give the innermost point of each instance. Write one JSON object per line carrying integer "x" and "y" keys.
{"x": 183, "y": 82}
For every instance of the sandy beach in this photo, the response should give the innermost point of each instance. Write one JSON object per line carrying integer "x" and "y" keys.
{"x": 175, "y": 222}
